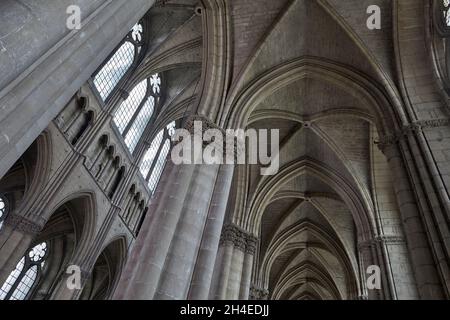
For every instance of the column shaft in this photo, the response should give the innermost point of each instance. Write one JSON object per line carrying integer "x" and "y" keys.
{"x": 180, "y": 261}
{"x": 423, "y": 263}
{"x": 204, "y": 268}
{"x": 35, "y": 87}
{"x": 147, "y": 259}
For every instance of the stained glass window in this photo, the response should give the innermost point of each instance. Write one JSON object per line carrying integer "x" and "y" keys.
{"x": 109, "y": 76}
{"x": 120, "y": 62}
{"x": 139, "y": 125}
{"x": 135, "y": 113}
{"x": 127, "y": 109}
{"x": 150, "y": 155}
{"x": 3, "y": 211}
{"x": 159, "y": 166}
{"x": 21, "y": 280}
{"x": 154, "y": 160}
{"x": 446, "y": 12}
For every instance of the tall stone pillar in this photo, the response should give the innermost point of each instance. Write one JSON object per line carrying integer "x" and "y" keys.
{"x": 221, "y": 274}
{"x": 367, "y": 257}
{"x": 180, "y": 235}
{"x": 236, "y": 267}
{"x": 180, "y": 261}
{"x": 204, "y": 268}
{"x": 16, "y": 237}
{"x": 373, "y": 252}
{"x": 35, "y": 86}
{"x": 422, "y": 260}
{"x": 140, "y": 279}
{"x": 233, "y": 271}
{"x": 247, "y": 270}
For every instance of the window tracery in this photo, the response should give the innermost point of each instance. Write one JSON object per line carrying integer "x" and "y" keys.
{"x": 154, "y": 159}
{"x": 21, "y": 280}
{"x": 127, "y": 54}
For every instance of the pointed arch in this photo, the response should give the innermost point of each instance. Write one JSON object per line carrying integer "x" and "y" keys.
{"x": 106, "y": 271}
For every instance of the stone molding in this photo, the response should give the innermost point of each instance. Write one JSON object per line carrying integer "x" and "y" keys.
{"x": 22, "y": 224}
{"x": 381, "y": 239}
{"x": 207, "y": 124}
{"x": 240, "y": 239}
{"x": 411, "y": 129}
{"x": 389, "y": 239}
{"x": 433, "y": 123}
{"x": 257, "y": 293}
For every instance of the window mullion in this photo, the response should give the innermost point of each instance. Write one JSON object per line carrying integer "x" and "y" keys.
{"x": 133, "y": 119}
{"x": 26, "y": 266}
{"x": 155, "y": 159}
{"x": 149, "y": 124}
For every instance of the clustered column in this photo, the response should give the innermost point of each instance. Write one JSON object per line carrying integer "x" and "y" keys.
{"x": 15, "y": 239}
{"x": 172, "y": 256}
{"x": 422, "y": 260}
{"x": 257, "y": 293}
{"x": 234, "y": 265}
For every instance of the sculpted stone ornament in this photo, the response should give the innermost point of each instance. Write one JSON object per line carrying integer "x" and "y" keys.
{"x": 22, "y": 224}
{"x": 257, "y": 293}
{"x": 240, "y": 239}
{"x": 411, "y": 129}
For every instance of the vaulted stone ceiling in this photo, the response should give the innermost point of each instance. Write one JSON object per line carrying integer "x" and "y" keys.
{"x": 306, "y": 216}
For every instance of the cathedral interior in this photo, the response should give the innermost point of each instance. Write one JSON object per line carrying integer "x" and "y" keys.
{"x": 92, "y": 207}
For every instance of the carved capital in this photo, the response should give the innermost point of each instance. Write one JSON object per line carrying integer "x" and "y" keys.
{"x": 22, "y": 224}
{"x": 240, "y": 239}
{"x": 412, "y": 129}
{"x": 380, "y": 239}
{"x": 386, "y": 239}
{"x": 207, "y": 124}
{"x": 231, "y": 145}
{"x": 433, "y": 123}
{"x": 257, "y": 293}
{"x": 252, "y": 243}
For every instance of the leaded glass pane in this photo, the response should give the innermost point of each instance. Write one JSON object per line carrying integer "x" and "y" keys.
{"x": 137, "y": 129}
{"x": 150, "y": 155}
{"x": 109, "y": 76}
{"x": 25, "y": 285}
{"x": 30, "y": 262}
{"x": 2, "y": 207}
{"x": 446, "y": 12}
{"x": 157, "y": 171}
{"x": 12, "y": 278}
{"x": 2, "y": 211}
{"x": 127, "y": 109}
